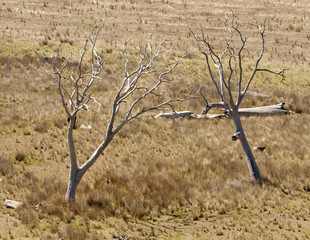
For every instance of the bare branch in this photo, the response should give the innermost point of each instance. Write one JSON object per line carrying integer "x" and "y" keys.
{"x": 280, "y": 73}
{"x": 95, "y": 71}
{"x": 218, "y": 62}
{"x": 150, "y": 91}
{"x": 213, "y": 105}
{"x": 10, "y": 102}
{"x": 239, "y": 55}
{"x": 235, "y": 62}
{"x": 261, "y": 32}
{"x": 127, "y": 60}
{"x": 72, "y": 95}
{"x": 124, "y": 94}
{"x": 204, "y": 97}
{"x": 212, "y": 77}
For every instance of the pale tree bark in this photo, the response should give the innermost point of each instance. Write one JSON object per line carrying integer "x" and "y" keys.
{"x": 253, "y": 168}
{"x": 231, "y": 59}
{"x": 73, "y": 89}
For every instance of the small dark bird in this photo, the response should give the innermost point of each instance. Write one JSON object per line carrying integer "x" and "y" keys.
{"x": 259, "y": 148}
{"x": 282, "y": 105}
{"x": 236, "y": 136}
{"x": 45, "y": 59}
{"x": 74, "y": 121}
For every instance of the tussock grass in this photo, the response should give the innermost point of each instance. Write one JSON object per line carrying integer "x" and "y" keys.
{"x": 188, "y": 169}
{"x": 42, "y": 127}
{"x": 6, "y": 165}
{"x": 158, "y": 178}
{"x": 209, "y": 179}
{"x": 20, "y": 156}
{"x": 27, "y": 215}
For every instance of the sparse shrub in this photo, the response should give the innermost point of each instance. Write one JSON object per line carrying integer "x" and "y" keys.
{"x": 6, "y": 165}
{"x": 47, "y": 236}
{"x": 54, "y": 210}
{"x": 95, "y": 236}
{"x": 108, "y": 71}
{"x": 65, "y": 40}
{"x": 36, "y": 197}
{"x": 140, "y": 208}
{"x": 29, "y": 178}
{"x": 101, "y": 201}
{"x": 60, "y": 123}
{"x": 20, "y": 156}
{"x": 299, "y": 103}
{"x": 5, "y": 60}
{"x": 73, "y": 233}
{"x": 41, "y": 127}
{"x": 54, "y": 228}
{"x": 48, "y": 193}
{"x": 44, "y": 42}
{"x": 28, "y": 215}
{"x": 109, "y": 50}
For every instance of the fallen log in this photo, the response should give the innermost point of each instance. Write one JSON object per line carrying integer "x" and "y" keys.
{"x": 264, "y": 110}
{"x": 277, "y": 109}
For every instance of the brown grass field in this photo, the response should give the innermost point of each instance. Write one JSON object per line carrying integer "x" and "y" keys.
{"x": 182, "y": 179}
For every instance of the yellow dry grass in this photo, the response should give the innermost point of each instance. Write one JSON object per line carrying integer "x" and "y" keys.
{"x": 159, "y": 179}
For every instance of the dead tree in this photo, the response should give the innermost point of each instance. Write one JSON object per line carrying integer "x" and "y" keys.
{"x": 74, "y": 92}
{"x": 228, "y": 74}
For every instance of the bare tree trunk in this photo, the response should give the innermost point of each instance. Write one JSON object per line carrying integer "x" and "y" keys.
{"x": 74, "y": 178}
{"x": 253, "y": 168}
{"x": 72, "y": 185}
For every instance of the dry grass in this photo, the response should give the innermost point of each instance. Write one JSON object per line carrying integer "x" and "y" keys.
{"x": 158, "y": 179}
{"x": 6, "y": 166}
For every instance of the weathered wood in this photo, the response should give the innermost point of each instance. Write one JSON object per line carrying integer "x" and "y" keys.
{"x": 12, "y": 204}
{"x": 277, "y": 109}
{"x": 240, "y": 135}
{"x": 207, "y": 116}
{"x": 264, "y": 110}
{"x": 174, "y": 114}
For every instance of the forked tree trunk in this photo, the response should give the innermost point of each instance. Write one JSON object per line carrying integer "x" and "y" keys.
{"x": 253, "y": 168}
{"x": 76, "y": 172}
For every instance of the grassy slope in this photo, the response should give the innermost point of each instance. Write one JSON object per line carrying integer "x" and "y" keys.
{"x": 169, "y": 179}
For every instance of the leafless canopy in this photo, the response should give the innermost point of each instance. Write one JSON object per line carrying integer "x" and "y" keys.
{"x": 228, "y": 75}
{"x": 73, "y": 88}
{"x": 74, "y": 91}
{"x": 230, "y": 61}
